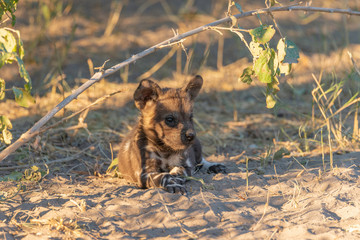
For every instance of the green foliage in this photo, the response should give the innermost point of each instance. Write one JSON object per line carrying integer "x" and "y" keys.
{"x": 246, "y": 75}
{"x": 113, "y": 168}
{"x": 287, "y": 51}
{"x": 5, "y": 134}
{"x": 270, "y": 101}
{"x": 12, "y": 50}
{"x": 281, "y": 153}
{"x": 23, "y": 97}
{"x": 8, "y": 7}
{"x": 272, "y": 2}
{"x": 269, "y": 63}
{"x": 33, "y": 174}
{"x": 264, "y": 66}
{"x": 262, "y": 34}
{"x": 14, "y": 176}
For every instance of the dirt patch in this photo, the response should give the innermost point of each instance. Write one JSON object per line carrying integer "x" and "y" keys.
{"x": 291, "y": 203}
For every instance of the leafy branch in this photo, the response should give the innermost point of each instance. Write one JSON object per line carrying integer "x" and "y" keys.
{"x": 8, "y": 7}
{"x": 12, "y": 50}
{"x": 264, "y": 63}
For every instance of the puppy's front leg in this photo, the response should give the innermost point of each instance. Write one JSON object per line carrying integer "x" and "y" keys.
{"x": 152, "y": 177}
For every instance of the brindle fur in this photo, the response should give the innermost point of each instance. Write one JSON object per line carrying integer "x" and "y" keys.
{"x": 159, "y": 152}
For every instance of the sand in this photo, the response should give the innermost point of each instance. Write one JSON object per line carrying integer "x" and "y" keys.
{"x": 296, "y": 202}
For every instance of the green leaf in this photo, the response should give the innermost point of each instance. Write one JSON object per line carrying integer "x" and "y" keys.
{"x": 273, "y": 87}
{"x": 273, "y": 2}
{"x": 281, "y": 47}
{"x": 270, "y": 101}
{"x": 5, "y": 123}
{"x": 238, "y": 7}
{"x": 11, "y": 49}
{"x": 23, "y": 97}
{"x": 8, "y": 6}
{"x": 33, "y": 174}
{"x": 284, "y": 69}
{"x": 288, "y": 51}
{"x": 271, "y": 90}
{"x": 28, "y": 86}
{"x": 6, "y": 136}
{"x": 35, "y": 168}
{"x": 113, "y": 165}
{"x": 20, "y": 46}
{"x": 5, "y": 57}
{"x": 14, "y": 176}
{"x": 280, "y": 153}
{"x": 23, "y": 73}
{"x": 275, "y": 63}
{"x": 262, "y": 34}
{"x": 264, "y": 66}
{"x": 255, "y": 49}
{"x": 246, "y": 75}
{"x": 7, "y": 40}
{"x": 2, "y": 89}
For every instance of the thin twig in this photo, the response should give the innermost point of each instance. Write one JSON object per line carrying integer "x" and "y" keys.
{"x": 80, "y": 111}
{"x": 173, "y": 217}
{"x": 13, "y": 195}
{"x": 158, "y": 65}
{"x": 265, "y": 209}
{"x": 300, "y": 164}
{"x": 208, "y": 205}
{"x": 33, "y": 131}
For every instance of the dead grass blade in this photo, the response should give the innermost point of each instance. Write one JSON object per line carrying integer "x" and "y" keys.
{"x": 265, "y": 209}
{"x": 158, "y": 65}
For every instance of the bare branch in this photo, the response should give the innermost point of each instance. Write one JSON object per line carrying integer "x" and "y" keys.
{"x": 33, "y": 131}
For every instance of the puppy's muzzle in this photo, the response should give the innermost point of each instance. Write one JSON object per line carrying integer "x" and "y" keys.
{"x": 189, "y": 136}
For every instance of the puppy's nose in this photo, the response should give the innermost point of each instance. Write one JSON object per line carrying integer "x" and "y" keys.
{"x": 190, "y": 135}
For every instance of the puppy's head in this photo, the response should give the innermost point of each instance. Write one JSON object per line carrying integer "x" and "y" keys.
{"x": 166, "y": 114}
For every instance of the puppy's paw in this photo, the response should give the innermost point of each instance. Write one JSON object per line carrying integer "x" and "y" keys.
{"x": 217, "y": 168}
{"x": 174, "y": 184}
{"x": 212, "y": 167}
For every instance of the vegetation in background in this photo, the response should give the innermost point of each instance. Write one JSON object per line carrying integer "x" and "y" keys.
{"x": 12, "y": 50}
{"x": 8, "y": 7}
{"x": 268, "y": 63}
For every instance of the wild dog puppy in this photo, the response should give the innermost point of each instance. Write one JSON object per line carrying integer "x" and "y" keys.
{"x": 162, "y": 148}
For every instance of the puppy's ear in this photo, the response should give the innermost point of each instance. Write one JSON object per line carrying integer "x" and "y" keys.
{"x": 194, "y": 86}
{"x": 146, "y": 91}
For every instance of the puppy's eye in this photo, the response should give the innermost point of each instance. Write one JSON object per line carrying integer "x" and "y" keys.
{"x": 170, "y": 121}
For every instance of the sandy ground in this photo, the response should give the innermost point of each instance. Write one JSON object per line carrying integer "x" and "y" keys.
{"x": 292, "y": 204}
